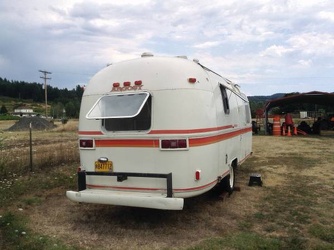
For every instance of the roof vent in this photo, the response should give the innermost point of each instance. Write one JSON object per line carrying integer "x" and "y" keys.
{"x": 146, "y": 54}
{"x": 195, "y": 60}
{"x": 184, "y": 57}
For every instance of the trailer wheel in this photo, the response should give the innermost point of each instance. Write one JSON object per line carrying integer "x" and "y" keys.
{"x": 228, "y": 182}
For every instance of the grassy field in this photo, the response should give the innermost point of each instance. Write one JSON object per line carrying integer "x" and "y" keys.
{"x": 294, "y": 209}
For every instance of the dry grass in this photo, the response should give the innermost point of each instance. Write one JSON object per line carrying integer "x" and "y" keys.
{"x": 6, "y": 124}
{"x": 71, "y": 125}
{"x": 293, "y": 210}
{"x": 49, "y": 148}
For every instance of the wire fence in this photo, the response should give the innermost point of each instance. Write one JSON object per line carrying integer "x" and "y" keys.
{"x": 21, "y": 153}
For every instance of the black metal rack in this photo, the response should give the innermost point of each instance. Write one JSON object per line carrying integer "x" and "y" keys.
{"x": 122, "y": 176}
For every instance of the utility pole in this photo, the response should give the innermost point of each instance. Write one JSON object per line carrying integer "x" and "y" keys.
{"x": 45, "y": 73}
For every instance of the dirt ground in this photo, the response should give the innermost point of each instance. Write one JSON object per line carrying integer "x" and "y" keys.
{"x": 291, "y": 167}
{"x": 111, "y": 227}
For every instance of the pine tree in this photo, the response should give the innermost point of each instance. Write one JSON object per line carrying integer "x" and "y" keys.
{"x": 3, "y": 110}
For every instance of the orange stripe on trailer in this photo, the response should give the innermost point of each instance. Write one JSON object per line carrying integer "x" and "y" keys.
{"x": 194, "y": 142}
{"x": 90, "y": 133}
{"x": 190, "y": 131}
{"x": 154, "y": 143}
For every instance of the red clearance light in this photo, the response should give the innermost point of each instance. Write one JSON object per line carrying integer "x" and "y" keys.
{"x": 192, "y": 80}
{"x": 197, "y": 175}
{"x": 174, "y": 144}
{"x": 126, "y": 84}
{"x": 138, "y": 82}
{"x": 116, "y": 84}
{"x": 86, "y": 143}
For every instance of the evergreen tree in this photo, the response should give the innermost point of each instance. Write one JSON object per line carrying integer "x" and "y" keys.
{"x": 71, "y": 109}
{"x": 3, "y": 110}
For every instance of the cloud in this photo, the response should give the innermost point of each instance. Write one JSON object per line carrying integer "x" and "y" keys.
{"x": 316, "y": 44}
{"x": 326, "y": 15}
{"x": 252, "y": 42}
{"x": 276, "y": 51}
{"x": 305, "y": 63}
{"x": 207, "y": 45}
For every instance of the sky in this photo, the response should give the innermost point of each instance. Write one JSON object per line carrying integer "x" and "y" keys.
{"x": 265, "y": 46}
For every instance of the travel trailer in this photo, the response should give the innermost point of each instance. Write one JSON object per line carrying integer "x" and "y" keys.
{"x": 156, "y": 130}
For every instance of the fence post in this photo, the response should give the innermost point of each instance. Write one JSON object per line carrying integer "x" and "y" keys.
{"x": 30, "y": 136}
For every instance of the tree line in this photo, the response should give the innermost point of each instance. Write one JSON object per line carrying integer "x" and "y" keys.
{"x": 69, "y": 100}
{"x": 60, "y": 99}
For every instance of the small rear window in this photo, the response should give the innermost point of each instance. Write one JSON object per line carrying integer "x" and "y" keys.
{"x": 225, "y": 99}
{"x": 118, "y": 106}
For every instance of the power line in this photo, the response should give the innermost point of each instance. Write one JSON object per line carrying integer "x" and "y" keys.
{"x": 45, "y": 73}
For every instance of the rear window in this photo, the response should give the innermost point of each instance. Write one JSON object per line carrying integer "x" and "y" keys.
{"x": 118, "y": 106}
{"x": 130, "y": 112}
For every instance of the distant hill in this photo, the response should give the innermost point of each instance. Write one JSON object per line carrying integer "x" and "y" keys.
{"x": 12, "y": 103}
{"x": 14, "y": 94}
{"x": 264, "y": 99}
{"x": 258, "y": 102}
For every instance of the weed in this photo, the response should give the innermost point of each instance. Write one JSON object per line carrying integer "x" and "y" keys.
{"x": 12, "y": 227}
{"x": 245, "y": 225}
{"x": 294, "y": 242}
{"x": 30, "y": 201}
{"x": 13, "y": 187}
{"x": 242, "y": 241}
{"x": 3, "y": 158}
{"x": 16, "y": 234}
{"x": 259, "y": 216}
{"x": 322, "y": 232}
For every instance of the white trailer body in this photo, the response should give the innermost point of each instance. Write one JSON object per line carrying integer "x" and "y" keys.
{"x": 156, "y": 130}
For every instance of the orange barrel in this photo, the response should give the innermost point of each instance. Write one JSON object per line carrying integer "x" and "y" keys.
{"x": 277, "y": 125}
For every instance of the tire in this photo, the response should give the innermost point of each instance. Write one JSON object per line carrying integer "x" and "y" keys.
{"x": 228, "y": 182}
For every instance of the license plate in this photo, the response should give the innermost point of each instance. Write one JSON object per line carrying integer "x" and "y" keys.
{"x": 104, "y": 166}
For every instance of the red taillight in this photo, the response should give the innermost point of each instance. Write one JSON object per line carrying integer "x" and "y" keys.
{"x": 115, "y": 84}
{"x": 182, "y": 143}
{"x": 165, "y": 143}
{"x": 174, "y": 144}
{"x": 138, "y": 82}
{"x": 86, "y": 143}
{"x": 126, "y": 84}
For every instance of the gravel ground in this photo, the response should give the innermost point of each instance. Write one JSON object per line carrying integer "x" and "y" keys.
{"x": 37, "y": 123}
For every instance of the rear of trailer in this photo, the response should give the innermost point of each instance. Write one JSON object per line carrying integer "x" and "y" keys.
{"x": 156, "y": 130}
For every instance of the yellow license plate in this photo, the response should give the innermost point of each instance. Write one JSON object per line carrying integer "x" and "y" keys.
{"x": 104, "y": 166}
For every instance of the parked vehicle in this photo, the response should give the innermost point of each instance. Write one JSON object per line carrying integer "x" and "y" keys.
{"x": 156, "y": 130}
